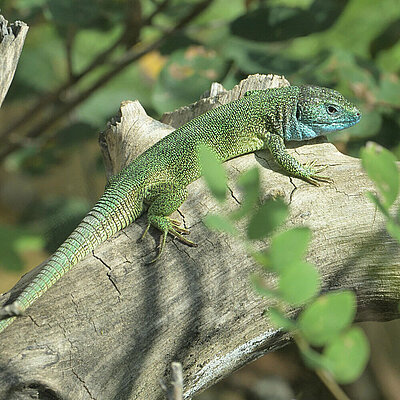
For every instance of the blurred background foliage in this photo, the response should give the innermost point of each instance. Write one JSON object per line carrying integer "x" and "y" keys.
{"x": 82, "y": 58}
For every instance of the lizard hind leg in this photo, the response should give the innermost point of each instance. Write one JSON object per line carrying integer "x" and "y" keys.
{"x": 163, "y": 204}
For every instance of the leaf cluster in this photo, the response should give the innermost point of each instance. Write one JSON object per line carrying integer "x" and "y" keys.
{"x": 323, "y": 329}
{"x": 380, "y": 165}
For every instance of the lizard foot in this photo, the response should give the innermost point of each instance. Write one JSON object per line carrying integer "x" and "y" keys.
{"x": 167, "y": 225}
{"x": 311, "y": 174}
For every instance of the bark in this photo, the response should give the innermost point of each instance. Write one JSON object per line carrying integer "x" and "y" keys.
{"x": 11, "y": 41}
{"x": 112, "y": 326}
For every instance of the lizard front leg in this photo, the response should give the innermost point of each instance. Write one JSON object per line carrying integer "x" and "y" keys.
{"x": 164, "y": 200}
{"x": 276, "y": 146}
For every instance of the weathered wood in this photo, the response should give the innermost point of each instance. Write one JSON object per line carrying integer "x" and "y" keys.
{"x": 11, "y": 41}
{"x": 112, "y": 326}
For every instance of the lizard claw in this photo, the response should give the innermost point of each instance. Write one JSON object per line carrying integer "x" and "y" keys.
{"x": 312, "y": 176}
{"x": 144, "y": 233}
{"x": 177, "y": 227}
{"x": 315, "y": 179}
{"x": 172, "y": 227}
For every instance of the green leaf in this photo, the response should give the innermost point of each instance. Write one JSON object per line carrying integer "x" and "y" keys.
{"x": 262, "y": 258}
{"x": 220, "y": 223}
{"x": 97, "y": 14}
{"x": 282, "y": 23}
{"x": 393, "y": 229}
{"x": 327, "y": 316}
{"x": 249, "y": 182}
{"x": 299, "y": 283}
{"x": 259, "y": 287}
{"x": 256, "y": 57}
{"x": 213, "y": 172}
{"x": 278, "y": 320}
{"x": 380, "y": 165}
{"x": 347, "y": 355}
{"x": 288, "y": 248}
{"x": 71, "y": 12}
{"x": 386, "y": 39}
{"x": 268, "y": 217}
{"x": 389, "y": 90}
{"x": 313, "y": 359}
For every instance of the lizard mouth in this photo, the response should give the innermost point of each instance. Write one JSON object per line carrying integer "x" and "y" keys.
{"x": 344, "y": 123}
{"x": 326, "y": 127}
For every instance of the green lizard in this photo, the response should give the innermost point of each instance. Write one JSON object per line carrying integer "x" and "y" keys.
{"x": 159, "y": 176}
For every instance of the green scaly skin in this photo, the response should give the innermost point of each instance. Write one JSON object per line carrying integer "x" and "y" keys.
{"x": 261, "y": 119}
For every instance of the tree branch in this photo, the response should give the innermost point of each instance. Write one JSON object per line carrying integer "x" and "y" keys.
{"x": 111, "y": 327}
{"x": 12, "y": 39}
{"x": 38, "y": 128}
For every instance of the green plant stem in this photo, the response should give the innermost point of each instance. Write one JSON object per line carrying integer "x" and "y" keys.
{"x": 331, "y": 384}
{"x": 322, "y": 374}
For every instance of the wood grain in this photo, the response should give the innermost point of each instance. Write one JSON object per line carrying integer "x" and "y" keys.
{"x": 12, "y": 39}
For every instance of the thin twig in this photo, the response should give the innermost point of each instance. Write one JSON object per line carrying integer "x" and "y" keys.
{"x": 71, "y": 103}
{"x": 119, "y": 65}
{"x": 160, "y": 7}
{"x": 50, "y": 98}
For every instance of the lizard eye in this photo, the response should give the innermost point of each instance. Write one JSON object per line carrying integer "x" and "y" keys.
{"x": 332, "y": 110}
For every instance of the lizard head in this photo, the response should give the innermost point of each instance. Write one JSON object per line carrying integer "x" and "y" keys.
{"x": 321, "y": 110}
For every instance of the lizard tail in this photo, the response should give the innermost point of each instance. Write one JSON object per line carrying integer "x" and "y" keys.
{"x": 114, "y": 211}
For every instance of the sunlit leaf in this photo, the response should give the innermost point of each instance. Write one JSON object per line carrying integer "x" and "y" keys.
{"x": 249, "y": 183}
{"x": 393, "y": 229}
{"x": 213, "y": 172}
{"x": 262, "y": 258}
{"x": 268, "y": 217}
{"x": 299, "y": 283}
{"x": 347, "y": 355}
{"x": 296, "y": 240}
{"x": 220, "y": 223}
{"x": 380, "y": 165}
{"x": 278, "y": 320}
{"x": 313, "y": 359}
{"x": 327, "y": 316}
